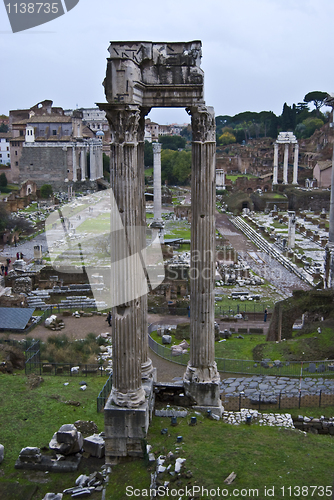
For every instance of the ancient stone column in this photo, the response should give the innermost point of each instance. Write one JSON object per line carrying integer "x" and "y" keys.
{"x": 157, "y": 180}
{"x": 146, "y": 362}
{"x": 126, "y": 412}
{"x": 285, "y": 164}
{"x": 127, "y": 387}
{"x": 295, "y": 165}
{"x": 329, "y": 249}
{"x": 275, "y": 169}
{"x": 291, "y": 229}
{"x": 83, "y": 164}
{"x": 201, "y": 380}
{"x": 74, "y": 164}
{"x": 92, "y": 162}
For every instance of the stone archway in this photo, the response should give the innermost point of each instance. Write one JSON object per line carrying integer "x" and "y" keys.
{"x": 142, "y": 75}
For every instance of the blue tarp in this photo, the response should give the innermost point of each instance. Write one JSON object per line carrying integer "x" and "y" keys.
{"x": 15, "y": 318}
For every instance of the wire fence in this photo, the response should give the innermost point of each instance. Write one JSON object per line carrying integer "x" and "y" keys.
{"x": 104, "y": 394}
{"x": 235, "y": 403}
{"x": 249, "y": 367}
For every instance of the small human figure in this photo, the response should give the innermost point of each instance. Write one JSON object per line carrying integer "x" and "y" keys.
{"x": 21, "y": 255}
{"x": 265, "y": 315}
{"x": 2, "y": 269}
{"x": 109, "y": 318}
{"x": 188, "y": 308}
{"x": 17, "y": 255}
{"x": 8, "y": 262}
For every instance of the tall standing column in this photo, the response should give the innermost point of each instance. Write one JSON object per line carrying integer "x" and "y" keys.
{"x": 126, "y": 412}
{"x": 92, "y": 162}
{"x": 83, "y": 164}
{"x": 157, "y": 180}
{"x": 329, "y": 250}
{"x": 275, "y": 170}
{"x": 74, "y": 164}
{"x": 201, "y": 380}
{"x": 295, "y": 165}
{"x": 285, "y": 164}
{"x": 291, "y": 229}
{"x": 146, "y": 362}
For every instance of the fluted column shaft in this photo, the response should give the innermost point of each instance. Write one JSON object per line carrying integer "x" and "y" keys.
{"x": 202, "y": 367}
{"x": 146, "y": 362}
{"x": 74, "y": 164}
{"x": 295, "y": 165}
{"x": 83, "y": 164}
{"x": 285, "y": 164}
{"x": 275, "y": 170}
{"x": 157, "y": 180}
{"x": 127, "y": 387}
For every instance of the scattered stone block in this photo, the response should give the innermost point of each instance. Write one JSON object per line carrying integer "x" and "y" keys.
{"x": 94, "y": 445}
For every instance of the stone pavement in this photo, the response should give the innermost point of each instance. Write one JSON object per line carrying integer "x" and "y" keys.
{"x": 270, "y": 386}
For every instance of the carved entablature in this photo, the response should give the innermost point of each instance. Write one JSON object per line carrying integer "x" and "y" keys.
{"x": 203, "y": 123}
{"x": 155, "y": 74}
{"x": 123, "y": 122}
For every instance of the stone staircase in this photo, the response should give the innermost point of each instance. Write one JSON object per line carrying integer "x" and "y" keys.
{"x": 268, "y": 248}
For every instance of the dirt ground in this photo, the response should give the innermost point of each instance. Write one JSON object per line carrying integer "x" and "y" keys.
{"x": 78, "y": 328}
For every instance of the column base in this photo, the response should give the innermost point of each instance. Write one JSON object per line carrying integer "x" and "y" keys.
{"x": 203, "y": 386}
{"x": 147, "y": 370}
{"x": 329, "y": 266}
{"x": 125, "y": 431}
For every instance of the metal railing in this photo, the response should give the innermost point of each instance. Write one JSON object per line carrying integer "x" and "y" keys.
{"x": 250, "y": 367}
{"x": 104, "y": 394}
{"x": 235, "y": 403}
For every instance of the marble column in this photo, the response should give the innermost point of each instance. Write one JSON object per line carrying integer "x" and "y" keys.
{"x": 127, "y": 387}
{"x": 146, "y": 362}
{"x": 74, "y": 163}
{"x": 285, "y": 164}
{"x": 92, "y": 162}
{"x": 157, "y": 180}
{"x": 275, "y": 170}
{"x": 126, "y": 412}
{"x": 83, "y": 164}
{"x": 329, "y": 249}
{"x": 291, "y": 229}
{"x": 201, "y": 379}
{"x": 295, "y": 165}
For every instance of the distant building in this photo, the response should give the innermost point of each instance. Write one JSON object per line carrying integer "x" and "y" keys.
{"x": 49, "y": 147}
{"x": 5, "y": 148}
{"x": 153, "y": 130}
{"x": 322, "y": 172}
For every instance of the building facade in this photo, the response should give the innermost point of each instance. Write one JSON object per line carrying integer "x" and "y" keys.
{"x": 49, "y": 147}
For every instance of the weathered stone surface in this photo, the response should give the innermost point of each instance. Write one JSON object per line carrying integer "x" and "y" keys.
{"x": 67, "y": 440}
{"x": 30, "y": 455}
{"x": 86, "y": 426}
{"x": 94, "y": 445}
{"x": 53, "y": 496}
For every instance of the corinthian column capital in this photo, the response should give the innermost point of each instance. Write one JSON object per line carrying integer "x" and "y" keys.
{"x": 203, "y": 123}
{"x": 123, "y": 122}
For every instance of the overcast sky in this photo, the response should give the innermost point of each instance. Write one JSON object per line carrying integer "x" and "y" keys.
{"x": 257, "y": 54}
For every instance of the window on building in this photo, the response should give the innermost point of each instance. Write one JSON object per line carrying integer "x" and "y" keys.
{"x": 15, "y": 153}
{"x": 16, "y": 163}
{"x": 54, "y": 132}
{"x": 21, "y": 132}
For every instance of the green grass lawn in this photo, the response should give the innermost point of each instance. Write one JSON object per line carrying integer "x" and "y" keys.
{"x": 262, "y": 458}
{"x": 233, "y": 178}
{"x": 29, "y": 417}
